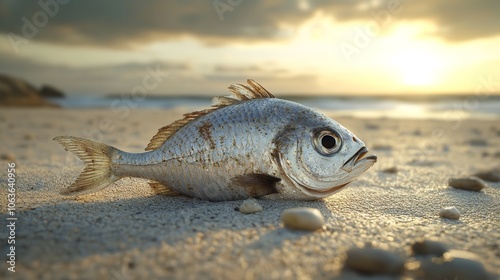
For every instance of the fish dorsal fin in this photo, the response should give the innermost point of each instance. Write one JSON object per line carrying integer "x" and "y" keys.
{"x": 167, "y": 131}
{"x": 239, "y": 93}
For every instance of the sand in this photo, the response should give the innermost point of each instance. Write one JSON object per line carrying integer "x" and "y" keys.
{"x": 125, "y": 232}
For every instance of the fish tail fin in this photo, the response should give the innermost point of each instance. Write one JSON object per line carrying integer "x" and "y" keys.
{"x": 97, "y": 173}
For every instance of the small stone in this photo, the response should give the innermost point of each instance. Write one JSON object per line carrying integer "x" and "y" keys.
{"x": 374, "y": 261}
{"x": 490, "y": 175}
{"x": 453, "y": 265}
{"x": 391, "y": 170}
{"x": 382, "y": 147}
{"x": 469, "y": 184}
{"x": 475, "y": 131}
{"x": 28, "y": 136}
{"x": 497, "y": 154}
{"x": 303, "y": 218}
{"x": 429, "y": 247}
{"x": 372, "y": 126}
{"x": 423, "y": 163}
{"x": 478, "y": 142}
{"x": 250, "y": 206}
{"x": 7, "y": 157}
{"x": 449, "y": 213}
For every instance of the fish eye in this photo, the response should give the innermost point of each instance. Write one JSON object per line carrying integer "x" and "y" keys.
{"x": 327, "y": 142}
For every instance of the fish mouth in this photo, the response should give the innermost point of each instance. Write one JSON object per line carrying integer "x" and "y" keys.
{"x": 314, "y": 187}
{"x": 358, "y": 158}
{"x": 355, "y": 161}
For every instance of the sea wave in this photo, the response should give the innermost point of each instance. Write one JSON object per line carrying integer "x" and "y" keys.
{"x": 428, "y": 107}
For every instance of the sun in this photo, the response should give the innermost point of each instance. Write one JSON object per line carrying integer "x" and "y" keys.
{"x": 417, "y": 67}
{"x": 418, "y": 72}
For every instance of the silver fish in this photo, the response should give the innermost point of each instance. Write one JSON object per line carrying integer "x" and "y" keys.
{"x": 249, "y": 144}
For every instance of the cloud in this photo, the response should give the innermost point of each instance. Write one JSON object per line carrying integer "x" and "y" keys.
{"x": 130, "y": 23}
{"x": 457, "y": 20}
{"x": 177, "y": 77}
{"x": 96, "y": 79}
{"x": 253, "y": 69}
{"x": 278, "y": 85}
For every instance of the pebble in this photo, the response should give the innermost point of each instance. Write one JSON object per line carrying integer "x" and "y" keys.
{"x": 391, "y": 170}
{"x": 429, "y": 247}
{"x": 422, "y": 163}
{"x": 382, "y": 147}
{"x": 449, "y": 213}
{"x": 303, "y": 218}
{"x": 250, "y": 206}
{"x": 28, "y": 136}
{"x": 372, "y": 126}
{"x": 7, "y": 157}
{"x": 469, "y": 184}
{"x": 475, "y": 131}
{"x": 453, "y": 265}
{"x": 478, "y": 142}
{"x": 374, "y": 261}
{"x": 490, "y": 175}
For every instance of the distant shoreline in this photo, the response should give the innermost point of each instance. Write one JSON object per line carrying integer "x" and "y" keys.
{"x": 425, "y": 97}
{"x": 408, "y": 107}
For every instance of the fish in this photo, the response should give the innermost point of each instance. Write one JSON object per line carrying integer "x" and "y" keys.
{"x": 248, "y": 144}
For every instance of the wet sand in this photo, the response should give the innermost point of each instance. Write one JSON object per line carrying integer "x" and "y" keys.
{"x": 125, "y": 232}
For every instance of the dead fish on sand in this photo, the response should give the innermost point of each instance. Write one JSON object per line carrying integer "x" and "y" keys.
{"x": 249, "y": 144}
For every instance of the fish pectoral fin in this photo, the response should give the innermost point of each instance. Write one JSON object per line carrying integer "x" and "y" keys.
{"x": 257, "y": 185}
{"x": 162, "y": 189}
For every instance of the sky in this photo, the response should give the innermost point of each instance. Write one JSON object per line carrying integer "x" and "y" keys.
{"x": 290, "y": 47}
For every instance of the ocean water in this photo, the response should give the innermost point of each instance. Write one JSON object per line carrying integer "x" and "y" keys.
{"x": 413, "y": 107}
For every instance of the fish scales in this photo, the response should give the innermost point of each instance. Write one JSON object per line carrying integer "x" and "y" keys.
{"x": 252, "y": 146}
{"x": 219, "y": 149}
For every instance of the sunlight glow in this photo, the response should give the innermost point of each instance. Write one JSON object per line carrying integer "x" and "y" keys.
{"x": 410, "y": 110}
{"x": 307, "y": 58}
{"x": 417, "y": 67}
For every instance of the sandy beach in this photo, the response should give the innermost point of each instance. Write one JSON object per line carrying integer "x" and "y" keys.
{"x": 126, "y": 232}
